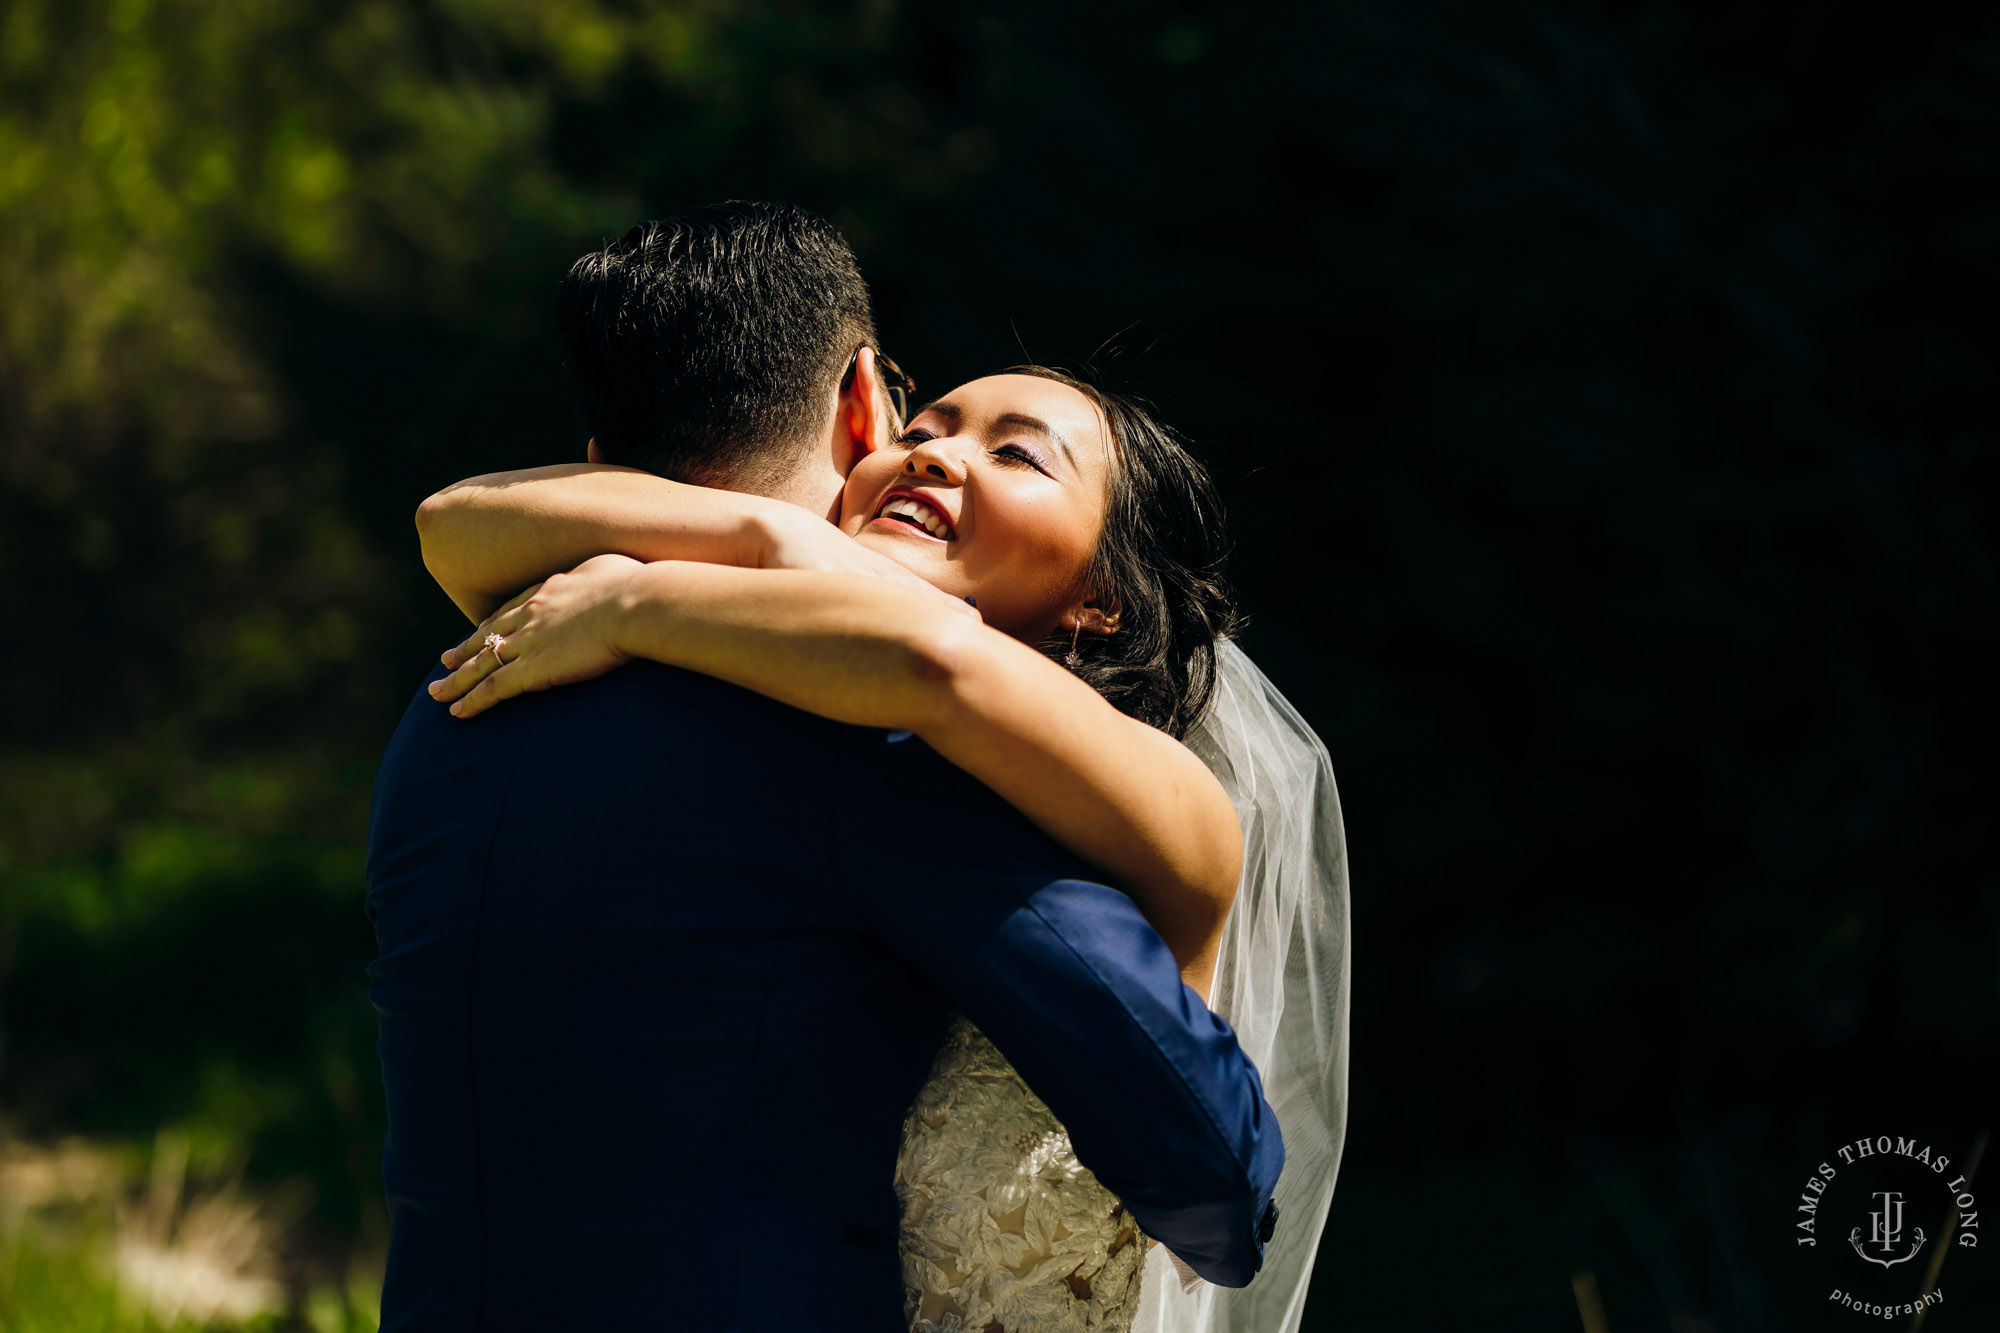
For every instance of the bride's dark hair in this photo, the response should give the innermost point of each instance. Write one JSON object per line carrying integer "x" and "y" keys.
{"x": 1158, "y": 563}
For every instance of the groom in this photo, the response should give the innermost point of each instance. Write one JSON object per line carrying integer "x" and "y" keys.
{"x": 662, "y": 962}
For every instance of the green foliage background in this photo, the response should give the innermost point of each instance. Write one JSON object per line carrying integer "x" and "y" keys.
{"x": 1598, "y": 389}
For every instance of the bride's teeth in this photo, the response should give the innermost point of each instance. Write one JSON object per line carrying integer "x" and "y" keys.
{"x": 927, "y": 518}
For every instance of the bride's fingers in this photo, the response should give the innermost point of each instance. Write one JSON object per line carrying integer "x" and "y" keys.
{"x": 509, "y": 622}
{"x": 468, "y": 674}
{"x": 498, "y": 621}
{"x": 498, "y": 686}
{"x": 510, "y": 616}
{"x": 461, "y": 652}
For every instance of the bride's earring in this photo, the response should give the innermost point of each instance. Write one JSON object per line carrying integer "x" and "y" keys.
{"x": 1070, "y": 658}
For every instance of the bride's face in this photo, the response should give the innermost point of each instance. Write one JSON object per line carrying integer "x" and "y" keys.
{"x": 996, "y": 492}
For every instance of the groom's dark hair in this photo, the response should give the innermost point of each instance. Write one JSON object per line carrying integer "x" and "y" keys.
{"x": 706, "y": 346}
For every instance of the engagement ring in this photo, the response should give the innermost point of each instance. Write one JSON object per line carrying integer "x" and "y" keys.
{"x": 494, "y": 641}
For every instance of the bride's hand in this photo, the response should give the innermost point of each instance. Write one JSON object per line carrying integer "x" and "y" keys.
{"x": 555, "y": 633}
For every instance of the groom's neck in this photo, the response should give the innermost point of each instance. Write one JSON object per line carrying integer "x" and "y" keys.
{"x": 814, "y": 480}
{"x": 815, "y": 489}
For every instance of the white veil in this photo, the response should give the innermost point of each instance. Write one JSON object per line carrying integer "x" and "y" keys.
{"x": 1282, "y": 984}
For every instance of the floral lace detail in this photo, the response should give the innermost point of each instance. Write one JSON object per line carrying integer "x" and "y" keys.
{"x": 1003, "y": 1230}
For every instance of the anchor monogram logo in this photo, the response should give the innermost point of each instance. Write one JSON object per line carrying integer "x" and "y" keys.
{"x": 1885, "y": 1232}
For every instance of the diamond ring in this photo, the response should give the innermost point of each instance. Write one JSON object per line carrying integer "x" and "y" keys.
{"x": 494, "y": 641}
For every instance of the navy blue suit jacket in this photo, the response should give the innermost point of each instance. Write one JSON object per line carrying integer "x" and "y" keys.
{"x": 663, "y": 962}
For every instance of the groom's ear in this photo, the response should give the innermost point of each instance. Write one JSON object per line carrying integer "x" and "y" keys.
{"x": 864, "y": 410}
{"x": 591, "y": 453}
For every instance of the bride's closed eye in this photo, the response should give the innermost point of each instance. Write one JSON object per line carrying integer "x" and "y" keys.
{"x": 1021, "y": 453}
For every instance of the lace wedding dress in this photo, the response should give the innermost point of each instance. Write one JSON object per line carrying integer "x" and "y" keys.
{"x": 1004, "y": 1231}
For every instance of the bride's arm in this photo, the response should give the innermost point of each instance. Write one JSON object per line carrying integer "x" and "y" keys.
{"x": 1125, "y": 797}
{"x": 486, "y": 538}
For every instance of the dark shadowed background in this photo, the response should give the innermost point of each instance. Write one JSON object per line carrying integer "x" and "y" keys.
{"x": 1604, "y": 393}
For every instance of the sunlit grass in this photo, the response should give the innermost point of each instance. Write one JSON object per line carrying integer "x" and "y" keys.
{"x": 88, "y": 1246}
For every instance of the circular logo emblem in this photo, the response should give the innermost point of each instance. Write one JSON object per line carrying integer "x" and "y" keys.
{"x": 1878, "y": 1219}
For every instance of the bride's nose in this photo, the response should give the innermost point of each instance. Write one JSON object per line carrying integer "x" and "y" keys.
{"x": 938, "y": 458}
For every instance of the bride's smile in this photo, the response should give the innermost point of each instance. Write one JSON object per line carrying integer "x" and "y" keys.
{"x": 906, "y": 507}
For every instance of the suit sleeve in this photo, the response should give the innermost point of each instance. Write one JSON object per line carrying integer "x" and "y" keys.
{"x": 1071, "y": 984}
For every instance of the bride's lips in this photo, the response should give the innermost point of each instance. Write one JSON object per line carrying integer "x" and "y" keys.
{"x": 929, "y": 519}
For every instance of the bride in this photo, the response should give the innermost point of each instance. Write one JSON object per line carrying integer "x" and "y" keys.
{"x": 1096, "y": 691}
